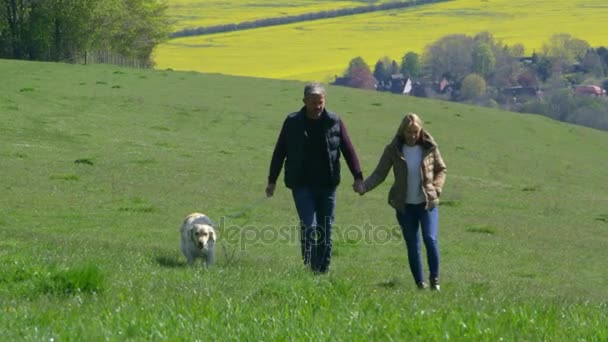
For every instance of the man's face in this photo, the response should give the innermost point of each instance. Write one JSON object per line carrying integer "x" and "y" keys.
{"x": 314, "y": 105}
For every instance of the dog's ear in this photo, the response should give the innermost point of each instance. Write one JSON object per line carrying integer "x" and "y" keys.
{"x": 212, "y": 235}
{"x": 193, "y": 231}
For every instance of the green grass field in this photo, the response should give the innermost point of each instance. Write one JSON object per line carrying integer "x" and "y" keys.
{"x": 197, "y": 13}
{"x": 321, "y": 49}
{"x": 100, "y": 164}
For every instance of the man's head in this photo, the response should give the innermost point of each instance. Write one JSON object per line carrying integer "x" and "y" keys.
{"x": 314, "y": 99}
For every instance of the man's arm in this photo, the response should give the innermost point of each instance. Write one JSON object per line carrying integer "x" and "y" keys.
{"x": 350, "y": 155}
{"x": 276, "y": 163}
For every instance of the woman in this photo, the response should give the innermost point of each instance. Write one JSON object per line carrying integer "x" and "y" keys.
{"x": 419, "y": 174}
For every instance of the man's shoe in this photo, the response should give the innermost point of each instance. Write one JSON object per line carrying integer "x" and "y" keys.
{"x": 422, "y": 285}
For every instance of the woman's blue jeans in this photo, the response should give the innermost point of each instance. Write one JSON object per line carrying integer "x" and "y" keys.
{"x": 414, "y": 217}
{"x": 316, "y": 209}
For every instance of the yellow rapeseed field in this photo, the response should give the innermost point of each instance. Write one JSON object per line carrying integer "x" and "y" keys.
{"x": 319, "y": 50}
{"x": 197, "y": 13}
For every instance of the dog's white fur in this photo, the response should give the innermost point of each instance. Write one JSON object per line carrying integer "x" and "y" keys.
{"x": 198, "y": 238}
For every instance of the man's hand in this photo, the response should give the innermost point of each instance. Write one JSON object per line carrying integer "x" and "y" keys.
{"x": 359, "y": 186}
{"x": 270, "y": 189}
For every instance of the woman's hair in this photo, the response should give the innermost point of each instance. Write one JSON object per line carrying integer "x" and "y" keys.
{"x": 412, "y": 118}
{"x": 408, "y": 119}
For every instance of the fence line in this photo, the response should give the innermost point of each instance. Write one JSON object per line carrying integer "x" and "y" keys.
{"x": 105, "y": 57}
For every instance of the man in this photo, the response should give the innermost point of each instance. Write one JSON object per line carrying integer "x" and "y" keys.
{"x": 310, "y": 143}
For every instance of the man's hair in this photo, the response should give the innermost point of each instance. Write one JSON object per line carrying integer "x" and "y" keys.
{"x": 314, "y": 88}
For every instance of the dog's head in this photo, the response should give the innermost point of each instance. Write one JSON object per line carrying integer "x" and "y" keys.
{"x": 203, "y": 236}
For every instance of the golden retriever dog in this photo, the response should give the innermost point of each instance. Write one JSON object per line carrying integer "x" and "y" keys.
{"x": 198, "y": 239}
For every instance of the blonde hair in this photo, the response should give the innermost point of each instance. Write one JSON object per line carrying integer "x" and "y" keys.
{"x": 412, "y": 118}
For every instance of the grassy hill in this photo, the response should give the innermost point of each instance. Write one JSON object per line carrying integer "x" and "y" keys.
{"x": 323, "y": 48}
{"x": 99, "y": 165}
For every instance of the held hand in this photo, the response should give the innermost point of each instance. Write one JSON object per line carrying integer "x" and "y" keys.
{"x": 359, "y": 187}
{"x": 270, "y": 189}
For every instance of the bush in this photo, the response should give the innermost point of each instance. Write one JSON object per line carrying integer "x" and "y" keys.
{"x": 473, "y": 87}
{"x": 536, "y": 107}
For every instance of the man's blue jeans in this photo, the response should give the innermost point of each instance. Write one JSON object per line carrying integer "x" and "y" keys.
{"x": 414, "y": 217}
{"x": 316, "y": 209}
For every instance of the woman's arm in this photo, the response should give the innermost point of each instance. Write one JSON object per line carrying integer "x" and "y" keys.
{"x": 379, "y": 175}
{"x": 440, "y": 171}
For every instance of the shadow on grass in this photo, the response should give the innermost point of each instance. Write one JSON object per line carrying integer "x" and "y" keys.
{"x": 390, "y": 283}
{"x": 482, "y": 229}
{"x": 449, "y": 203}
{"x": 84, "y": 161}
{"x": 602, "y": 218}
{"x": 530, "y": 188}
{"x": 170, "y": 261}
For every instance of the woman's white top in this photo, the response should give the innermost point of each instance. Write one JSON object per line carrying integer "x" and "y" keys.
{"x": 413, "y": 161}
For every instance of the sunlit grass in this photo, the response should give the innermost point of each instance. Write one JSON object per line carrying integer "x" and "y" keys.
{"x": 322, "y": 49}
{"x": 96, "y": 181}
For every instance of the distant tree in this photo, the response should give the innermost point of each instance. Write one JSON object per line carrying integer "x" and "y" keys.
{"x": 362, "y": 78}
{"x": 68, "y": 31}
{"x": 492, "y": 60}
{"x": 603, "y": 53}
{"x": 473, "y": 87}
{"x": 516, "y": 50}
{"x": 359, "y": 74}
{"x": 543, "y": 66}
{"x": 484, "y": 37}
{"x": 62, "y": 30}
{"x": 394, "y": 69}
{"x": 591, "y": 116}
{"x": 133, "y": 27}
{"x": 355, "y": 63}
{"x": 592, "y": 63}
{"x": 410, "y": 64}
{"x": 45, "y": 30}
{"x": 382, "y": 70}
{"x": 561, "y": 104}
{"x": 507, "y": 66}
{"x": 14, "y": 23}
{"x": 450, "y": 55}
{"x": 564, "y": 50}
{"x": 484, "y": 61}
{"x": 527, "y": 78}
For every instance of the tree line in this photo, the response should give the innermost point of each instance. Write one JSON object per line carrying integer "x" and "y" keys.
{"x": 65, "y": 30}
{"x": 483, "y": 71}
{"x": 289, "y": 19}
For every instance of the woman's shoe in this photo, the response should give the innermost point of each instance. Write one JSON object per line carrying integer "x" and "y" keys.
{"x": 422, "y": 285}
{"x": 435, "y": 284}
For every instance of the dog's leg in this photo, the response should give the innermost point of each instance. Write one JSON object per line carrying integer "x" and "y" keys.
{"x": 186, "y": 252}
{"x": 209, "y": 260}
{"x": 190, "y": 259}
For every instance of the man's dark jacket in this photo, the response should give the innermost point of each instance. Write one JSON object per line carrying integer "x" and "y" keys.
{"x": 292, "y": 142}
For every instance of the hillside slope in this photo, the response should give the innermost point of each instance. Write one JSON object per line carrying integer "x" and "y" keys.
{"x": 100, "y": 164}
